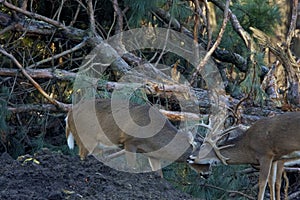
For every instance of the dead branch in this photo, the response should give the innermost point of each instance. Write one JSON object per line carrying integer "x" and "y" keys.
{"x": 33, "y": 107}
{"x": 235, "y": 23}
{"x": 76, "y": 15}
{"x": 294, "y": 195}
{"x": 228, "y": 191}
{"x": 222, "y": 55}
{"x": 33, "y": 82}
{"x": 292, "y": 169}
{"x": 171, "y": 115}
{"x": 90, "y": 10}
{"x": 181, "y": 116}
{"x": 208, "y": 25}
{"x": 196, "y": 21}
{"x": 149, "y": 87}
{"x": 40, "y": 28}
{"x": 215, "y": 45}
{"x": 290, "y": 66}
{"x": 75, "y": 48}
{"x": 119, "y": 13}
{"x": 205, "y": 18}
{"x": 48, "y": 73}
{"x": 291, "y": 31}
{"x": 35, "y": 16}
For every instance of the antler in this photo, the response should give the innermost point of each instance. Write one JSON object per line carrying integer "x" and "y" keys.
{"x": 215, "y": 135}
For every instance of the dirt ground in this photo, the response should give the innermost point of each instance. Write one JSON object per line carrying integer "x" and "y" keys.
{"x": 54, "y": 176}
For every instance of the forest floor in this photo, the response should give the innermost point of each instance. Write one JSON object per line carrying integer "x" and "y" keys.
{"x": 54, "y": 176}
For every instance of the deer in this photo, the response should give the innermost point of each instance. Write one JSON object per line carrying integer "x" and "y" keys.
{"x": 92, "y": 126}
{"x": 269, "y": 143}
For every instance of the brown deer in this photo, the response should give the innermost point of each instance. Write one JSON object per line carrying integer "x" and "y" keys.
{"x": 92, "y": 125}
{"x": 268, "y": 143}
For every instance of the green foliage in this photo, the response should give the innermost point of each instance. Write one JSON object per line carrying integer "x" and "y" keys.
{"x": 251, "y": 84}
{"x": 16, "y": 145}
{"x": 140, "y": 10}
{"x": 219, "y": 185}
{"x": 3, "y": 108}
{"x": 180, "y": 10}
{"x": 258, "y": 14}
{"x": 4, "y": 114}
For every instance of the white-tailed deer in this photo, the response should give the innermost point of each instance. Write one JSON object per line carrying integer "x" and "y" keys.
{"x": 268, "y": 143}
{"x": 92, "y": 124}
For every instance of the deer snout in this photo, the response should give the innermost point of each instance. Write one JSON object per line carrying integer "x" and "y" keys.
{"x": 191, "y": 159}
{"x": 203, "y": 170}
{"x": 205, "y": 175}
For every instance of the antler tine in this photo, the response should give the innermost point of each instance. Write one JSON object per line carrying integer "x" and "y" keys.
{"x": 218, "y": 134}
{"x": 208, "y": 126}
{"x": 227, "y": 131}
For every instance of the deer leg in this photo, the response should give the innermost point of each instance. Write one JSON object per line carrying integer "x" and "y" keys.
{"x": 130, "y": 155}
{"x": 286, "y": 186}
{"x": 83, "y": 152}
{"x": 271, "y": 180}
{"x": 280, "y": 168}
{"x": 264, "y": 172}
{"x": 155, "y": 165}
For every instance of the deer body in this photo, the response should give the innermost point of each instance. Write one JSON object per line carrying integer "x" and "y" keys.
{"x": 92, "y": 125}
{"x": 266, "y": 143}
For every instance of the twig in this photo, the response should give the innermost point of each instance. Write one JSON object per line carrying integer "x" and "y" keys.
{"x": 78, "y": 46}
{"x": 222, "y": 55}
{"x": 292, "y": 24}
{"x": 92, "y": 17}
{"x": 119, "y": 13}
{"x": 208, "y": 25}
{"x": 294, "y": 195}
{"x": 228, "y": 191}
{"x": 215, "y": 45}
{"x": 75, "y": 16}
{"x": 33, "y": 82}
{"x": 165, "y": 43}
{"x": 58, "y": 12}
{"x": 205, "y": 18}
{"x": 235, "y": 23}
{"x": 291, "y": 31}
{"x": 34, "y": 15}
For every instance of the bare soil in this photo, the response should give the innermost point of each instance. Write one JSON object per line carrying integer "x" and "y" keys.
{"x": 53, "y": 176}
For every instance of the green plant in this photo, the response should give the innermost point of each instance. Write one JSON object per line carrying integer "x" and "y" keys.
{"x": 226, "y": 182}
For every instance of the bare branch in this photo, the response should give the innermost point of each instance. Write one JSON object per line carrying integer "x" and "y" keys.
{"x": 229, "y": 191}
{"x": 34, "y": 15}
{"x": 292, "y": 24}
{"x": 33, "y": 82}
{"x": 40, "y": 73}
{"x": 222, "y": 55}
{"x": 90, "y": 9}
{"x": 235, "y": 23}
{"x": 77, "y": 47}
{"x": 216, "y": 44}
{"x": 180, "y": 116}
{"x": 175, "y": 116}
{"x": 31, "y": 107}
{"x": 75, "y": 16}
{"x": 291, "y": 31}
{"x": 119, "y": 13}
